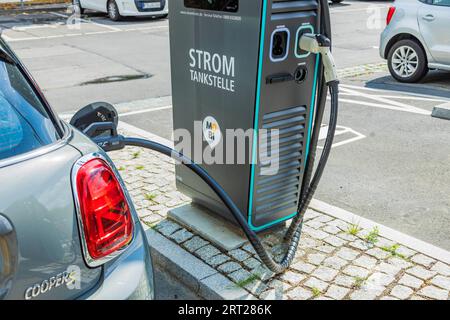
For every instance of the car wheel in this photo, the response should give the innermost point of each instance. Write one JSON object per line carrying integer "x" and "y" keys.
{"x": 407, "y": 61}
{"x": 113, "y": 11}
{"x": 164, "y": 16}
{"x": 77, "y": 7}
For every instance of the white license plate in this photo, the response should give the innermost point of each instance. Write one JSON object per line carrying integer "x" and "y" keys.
{"x": 151, "y": 5}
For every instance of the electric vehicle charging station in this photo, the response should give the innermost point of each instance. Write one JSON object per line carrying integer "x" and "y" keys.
{"x": 236, "y": 65}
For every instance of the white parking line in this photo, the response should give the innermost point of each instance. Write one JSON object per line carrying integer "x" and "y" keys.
{"x": 145, "y": 111}
{"x": 67, "y": 116}
{"x": 382, "y": 106}
{"x": 9, "y": 39}
{"x": 107, "y": 29}
{"x": 340, "y": 130}
{"x": 87, "y": 21}
{"x": 410, "y": 94}
{"x": 36, "y": 26}
{"x": 332, "y": 10}
{"x": 412, "y": 98}
{"x": 385, "y": 103}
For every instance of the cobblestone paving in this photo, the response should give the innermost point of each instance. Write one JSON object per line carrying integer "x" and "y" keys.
{"x": 335, "y": 260}
{"x": 364, "y": 69}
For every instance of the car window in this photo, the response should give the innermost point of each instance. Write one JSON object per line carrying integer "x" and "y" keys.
{"x": 441, "y": 2}
{"x": 24, "y": 122}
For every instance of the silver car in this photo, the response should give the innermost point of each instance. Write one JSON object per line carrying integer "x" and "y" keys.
{"x": 417, "y": 38}
{"x": 68, "y": 229}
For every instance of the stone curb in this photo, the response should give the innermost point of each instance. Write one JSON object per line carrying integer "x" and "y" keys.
{"x": 442, "y": 111}
{"x": 191, "y": 271}
{"x": 397, "y": 236}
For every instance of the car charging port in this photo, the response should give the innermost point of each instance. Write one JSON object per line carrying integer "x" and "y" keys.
{"x": 279, "y": 44}
{"x": 300, "y": 73}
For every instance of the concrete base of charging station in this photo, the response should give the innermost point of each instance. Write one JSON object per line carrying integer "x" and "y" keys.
{"x": 442, "y": 111}
{"x": 204, "y": 223}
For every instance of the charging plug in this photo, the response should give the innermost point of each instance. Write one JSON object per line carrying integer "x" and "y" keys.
{"x": 319, "y": 44}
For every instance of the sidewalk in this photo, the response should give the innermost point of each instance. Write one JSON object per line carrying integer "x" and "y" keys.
{"x": 338, "y": 258}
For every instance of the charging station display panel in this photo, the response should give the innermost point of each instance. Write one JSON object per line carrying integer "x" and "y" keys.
{"x": 213, "y": 5}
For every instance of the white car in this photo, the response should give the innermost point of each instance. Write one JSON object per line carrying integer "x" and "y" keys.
{"x": 116, "y": 9}
{"x": 417, "y": 38}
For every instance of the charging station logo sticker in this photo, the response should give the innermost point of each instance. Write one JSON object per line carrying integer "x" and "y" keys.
{"x": 211, "y": 131}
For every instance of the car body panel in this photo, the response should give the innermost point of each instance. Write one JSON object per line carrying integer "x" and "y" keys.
{"x": 406, "y": 22}
{"x": 126, "y": 7}
{"x": 130, "y": 276}
{"x": 434, "y": 24}
{"x": 48, "y": 236}
{"x": 38, "y": 201}
{"x": 39, "y": 231}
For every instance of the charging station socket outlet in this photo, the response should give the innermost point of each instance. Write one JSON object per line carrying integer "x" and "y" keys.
{"x": 300, "y": 73}
{"x": 279, "y": 44}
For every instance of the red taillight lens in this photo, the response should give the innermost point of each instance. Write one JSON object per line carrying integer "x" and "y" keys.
{"x": 390, "y": 14}
{"x": 107, "y": 221}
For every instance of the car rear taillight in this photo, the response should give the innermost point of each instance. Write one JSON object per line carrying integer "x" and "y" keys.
{"x": 390, "y": 14}
{"x": 107, "y": 223}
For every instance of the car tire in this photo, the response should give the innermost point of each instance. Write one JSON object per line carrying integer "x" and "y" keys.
{"x": 164, "y": 16}
{"x": 407, "y": 61}
{"x": 77, "y": 7}
{"x": 113, "y": 10}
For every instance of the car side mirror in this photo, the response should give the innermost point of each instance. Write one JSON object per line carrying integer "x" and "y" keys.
{"x": 99, "y": 122}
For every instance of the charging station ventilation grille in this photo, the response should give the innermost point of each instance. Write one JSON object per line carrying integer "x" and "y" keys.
{"x": 281, "y": 163}
{"x": 283, "y": 9}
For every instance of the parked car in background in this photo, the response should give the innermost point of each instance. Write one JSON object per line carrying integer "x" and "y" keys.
{"x": 416, "y": 38}
{"x": 116, "y": 9}
{"x": 68, "y": 228}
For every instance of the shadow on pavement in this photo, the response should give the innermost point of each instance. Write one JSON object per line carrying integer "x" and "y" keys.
{"x": 436, "y": 83}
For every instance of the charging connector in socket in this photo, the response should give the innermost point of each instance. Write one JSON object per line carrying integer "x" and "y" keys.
{"x": 279, "y": 44}
{"x": 299, "y": 53}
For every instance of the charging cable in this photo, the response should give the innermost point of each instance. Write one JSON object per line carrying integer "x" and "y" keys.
{"x": 309, "y": 42}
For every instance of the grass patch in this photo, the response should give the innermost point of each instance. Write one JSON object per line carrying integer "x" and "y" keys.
{"x": 136, "y": 154}
{"x": 150, "y": 196}
{"x": 393, "y": 251}
{"x": 121, "y": 168}
{"x": 247, "y": 281}
{"x": 372, "y": 237}
{"x": 140, "y": 167}
{"x": 359, "y": 282}
{"x": 152, "y": 225}
{"x": 316, "y": 292}
{"x": 353, "y": 229}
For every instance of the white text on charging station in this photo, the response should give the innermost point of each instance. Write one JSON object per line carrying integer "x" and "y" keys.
{"x": 213, "y": 70}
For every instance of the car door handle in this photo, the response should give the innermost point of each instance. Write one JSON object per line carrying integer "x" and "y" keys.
{"x": 428, "y": 17}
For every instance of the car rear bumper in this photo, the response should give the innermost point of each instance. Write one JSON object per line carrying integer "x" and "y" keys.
{"x": 130, "y": 276}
